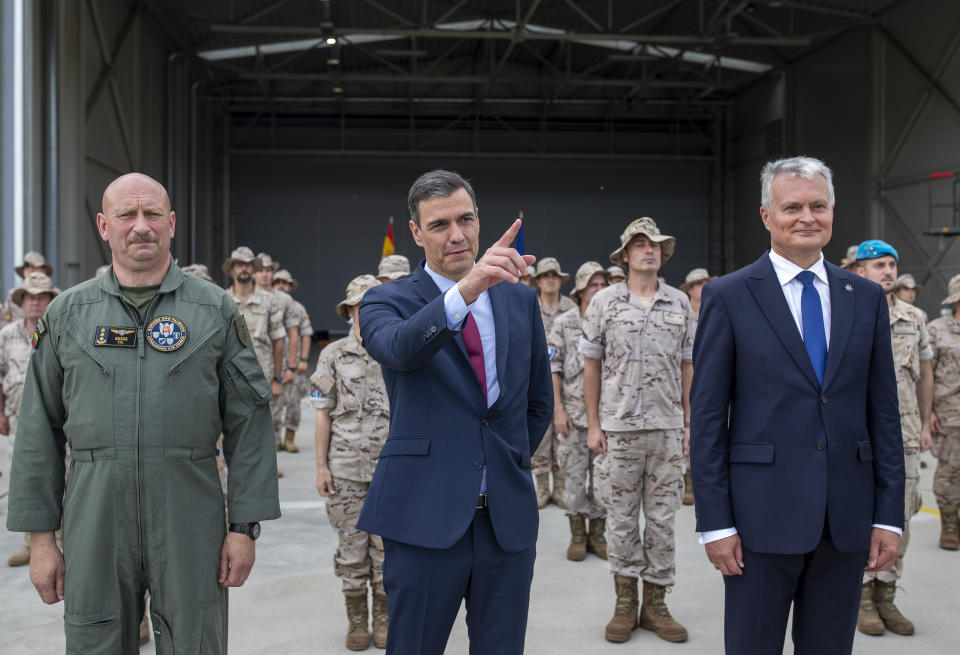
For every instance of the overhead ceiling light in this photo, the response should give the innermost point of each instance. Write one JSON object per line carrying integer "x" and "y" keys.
{"x": 333, "y": 61}
{"x": 331, "y": 40}
{"x": 338, "y": 89}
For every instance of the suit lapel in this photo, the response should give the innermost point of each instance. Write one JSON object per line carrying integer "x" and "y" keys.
{"x": 841, "y": 318}
{"x": 765, "y": 287}
{"x": 501, "y": 318}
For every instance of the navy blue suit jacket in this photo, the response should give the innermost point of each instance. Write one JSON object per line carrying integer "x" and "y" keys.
{"x": 772, "y": 452}
{"x": 424, "y": 490}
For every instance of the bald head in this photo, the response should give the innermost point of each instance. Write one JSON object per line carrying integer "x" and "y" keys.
{"x": 134, "y": 185}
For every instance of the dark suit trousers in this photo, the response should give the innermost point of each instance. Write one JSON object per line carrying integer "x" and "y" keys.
{"x": 425, "y": 587}
{"x": 823, "y": 586}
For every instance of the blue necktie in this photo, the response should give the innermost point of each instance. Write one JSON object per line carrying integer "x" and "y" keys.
{"x": 811, "y": 316}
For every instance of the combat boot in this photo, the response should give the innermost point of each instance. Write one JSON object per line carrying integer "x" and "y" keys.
{"x": 868, "y": 621}
{"x": 883, "y": 596}
{"x": 381, "y": 617}
{"x": 358, "y": 616}
{"x": 655, "y": 616}
{"x": 687, "y": 487}
{"x": 288, "y": 443}
{"x": 949, "y": 530}
{"x": 144, "y": 629}
{"x": 577, "y": 550}
{"x": 542, "y": 482}
{"x": 21, "y": 557}
{"x": 559, "y": 485}
{"x": 624, "y": 619}
{"x": 596, "y": 539}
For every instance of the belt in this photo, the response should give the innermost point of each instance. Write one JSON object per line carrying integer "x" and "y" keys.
{"x": 482, "y": 501}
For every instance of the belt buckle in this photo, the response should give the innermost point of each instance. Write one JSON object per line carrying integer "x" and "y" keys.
{"x": 482, "y": 501}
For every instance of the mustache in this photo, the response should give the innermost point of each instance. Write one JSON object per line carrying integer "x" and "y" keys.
{"x": 143, "y": 238}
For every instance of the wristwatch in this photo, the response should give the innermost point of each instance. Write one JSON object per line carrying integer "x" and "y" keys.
{"x": 279, "y": 379}
{"x": 252, "y": 530}
{"x": 305, "y": 360}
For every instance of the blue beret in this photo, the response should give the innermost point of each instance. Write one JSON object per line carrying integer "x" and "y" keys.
{"x": 876, "y": 248}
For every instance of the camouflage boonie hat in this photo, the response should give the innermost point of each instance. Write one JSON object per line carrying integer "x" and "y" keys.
{"x": 648, "y": 228}
{"x": 355, "y": 290}
{"x": 530, "y": 272}
{"x": 954, "y": 290}
{"x": 550, "y": 265}
{"x": 266, "y": 261}
{"x": 198, "y": 270}
{"x": 584, "y": 274}
{"x": 35, "y": 259}
{"x": 615, "y": 271}
{"x": 393, "y": 267}
{"x": 907, "y": 281}
{"x": 283, "y": 275}
{"x": 243, "y": 255}
{"x": 851, "y": 257}
{"x": 35, "y": 283}
{"x": 695, "y": 276}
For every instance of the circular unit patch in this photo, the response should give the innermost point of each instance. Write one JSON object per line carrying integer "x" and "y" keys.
{"x": 166, "y": 333}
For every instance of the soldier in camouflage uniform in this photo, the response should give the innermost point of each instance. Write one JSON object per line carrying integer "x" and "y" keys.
{"x": 297, "y": 390}
{"x": 692, "y": 286}
{"x": 849, "y": 262}
{"x": 906, "y": 289}
{"x": 570, "y": 420}
{"x": 548, "y": 278}
{"x": 393, "y": 267}
{"x": 945, "y": 421}
{"x": 527, "y": 277}
{"x": 637, "y": 347}
{"x": 353, "y": 419}
{"x": 912, "y": 355}
{"x": 263, "y": 316}
{"x": 198, "y": 270}
{"x": 615, "y": 274}
{"x": 292, "y": 318}
{"x": 33, "y": 262}
{"x": 15, "y": 348}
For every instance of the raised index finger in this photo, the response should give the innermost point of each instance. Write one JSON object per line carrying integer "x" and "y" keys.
{"x": 509, "y": 235}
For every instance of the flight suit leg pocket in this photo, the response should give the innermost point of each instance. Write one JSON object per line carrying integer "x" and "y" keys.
{"x": 210, "y": 628}
{"x": 93, "y": 634}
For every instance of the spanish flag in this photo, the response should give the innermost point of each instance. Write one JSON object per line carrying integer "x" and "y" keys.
{"x": 388, "y": 248}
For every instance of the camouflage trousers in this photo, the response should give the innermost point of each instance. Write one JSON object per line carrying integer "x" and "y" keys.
{"x": 6, "y": 459}
{"x": 642, "y": 471}
{"x": 946, "y": 481}
{"x": 576, "y": 462}
{"x": 359, "y": 556}
{"x": 911, "y": 505}
{"x": 545, "y": 459}
{"x": 276, "y": 411}
{"x": 293, "y": 393}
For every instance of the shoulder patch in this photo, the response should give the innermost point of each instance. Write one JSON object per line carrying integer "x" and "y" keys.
{"x": 551, "y": 352}
{"x": 243, "y": 334}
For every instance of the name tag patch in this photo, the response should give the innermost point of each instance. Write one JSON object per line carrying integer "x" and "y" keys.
{"x": 904, "y": 327}
{"x": 122, "y": 337}
{"x": 673, "y": 318}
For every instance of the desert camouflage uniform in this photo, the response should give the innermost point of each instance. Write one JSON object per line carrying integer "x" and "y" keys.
{"x": 290, "y": 317}
{"x": 574, "y": 458}
{"x": 265, "y": 324}
{"x": 945, "y": 338}
{"x": 545, "y": 458}
{"x": 15, "y": 351}
{"x": 349, "y": 383}
{"x": 641, "y": 412}
{"x": 911, "y": 346}
{"x": 297, "y": 390}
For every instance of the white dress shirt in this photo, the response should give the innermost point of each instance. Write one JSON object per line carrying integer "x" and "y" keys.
{"x": 787, "y": 272}
{"x": 456, "y": 310}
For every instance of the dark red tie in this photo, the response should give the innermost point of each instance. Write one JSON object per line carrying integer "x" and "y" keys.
{"x": 471, "y": 339}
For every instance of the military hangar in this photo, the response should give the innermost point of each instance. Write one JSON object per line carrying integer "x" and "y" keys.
{"x": 296, "y": 126}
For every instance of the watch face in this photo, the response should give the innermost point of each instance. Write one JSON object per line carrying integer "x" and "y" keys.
{"x": 255, "y": 531}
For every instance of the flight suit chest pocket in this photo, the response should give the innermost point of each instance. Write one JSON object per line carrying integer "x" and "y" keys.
{"x": 191, "y": 395}
{"x": 89, "y": 380}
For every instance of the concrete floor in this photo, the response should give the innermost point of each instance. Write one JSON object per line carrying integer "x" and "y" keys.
{"x": 292, "y": 601}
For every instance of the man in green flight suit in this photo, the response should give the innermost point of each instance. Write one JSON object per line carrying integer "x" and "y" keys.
{"x": 139, "y": 371}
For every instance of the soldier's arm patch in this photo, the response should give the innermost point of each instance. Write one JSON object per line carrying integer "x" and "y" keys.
{"x": 243, "y": 334}
{"x": 38, "y": 333}
{"x": 551, "y": 352}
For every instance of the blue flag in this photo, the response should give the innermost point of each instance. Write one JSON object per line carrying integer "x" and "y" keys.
{"x": 520, "y": 241}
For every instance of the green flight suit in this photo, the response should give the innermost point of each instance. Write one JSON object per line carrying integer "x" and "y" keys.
{"x": 141, "y": 403}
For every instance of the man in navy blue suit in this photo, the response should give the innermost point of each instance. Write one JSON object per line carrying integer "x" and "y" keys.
{"x": 464, "y": 359}
{"x": 795, "y": 429}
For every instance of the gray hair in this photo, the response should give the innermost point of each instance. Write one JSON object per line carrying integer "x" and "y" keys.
{"x": 805, "y": 167}
{"x": 436, "y": 184}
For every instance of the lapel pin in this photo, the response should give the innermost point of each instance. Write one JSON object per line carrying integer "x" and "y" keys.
{"x": 849, "y": 287}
